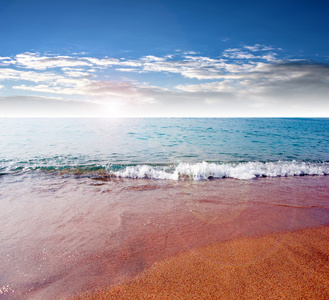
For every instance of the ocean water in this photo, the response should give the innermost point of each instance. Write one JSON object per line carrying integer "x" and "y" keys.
{"x": 88, "y": 203}
{"x": 167, "y": 148}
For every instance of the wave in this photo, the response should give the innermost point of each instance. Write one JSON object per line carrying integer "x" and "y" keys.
{"x": 205, "y": 170}
{"x": 183, "y": 171}
{"x": 61, "y": 165}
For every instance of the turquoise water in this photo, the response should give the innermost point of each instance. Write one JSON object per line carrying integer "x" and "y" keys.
{"x": 167, "y": 148}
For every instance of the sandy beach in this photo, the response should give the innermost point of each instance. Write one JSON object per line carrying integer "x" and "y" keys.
{"x": 256, "y": 249}
{"x": 184, "y": 239}
{"x": 290, "y": 265}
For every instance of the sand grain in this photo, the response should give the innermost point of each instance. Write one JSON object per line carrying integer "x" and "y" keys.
{"x": 293, "y": 265}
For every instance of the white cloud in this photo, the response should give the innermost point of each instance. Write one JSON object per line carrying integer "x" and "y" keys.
{"x": 188, "y": 65}
{"x": 127, "y": 70}
{"x": 258, "y": 47}
{"x": 130, "y": 63}
{"x": 226, "y": 86}
{"x": 190, "y": 53}
{"x": 105, "y": 62}
{"x": 6, "y": 61}
{"x": 238, "y": 54}
{"x": 191, "y": 67}
{"x": 240, "y": 77}
{"x": 270, "y": 57}
{"x": 11, "y": 74}
{"x": 35, "y": 61}
{"x": 77, "y": 74}
{"x": 151, "y": 58}
{"x": 287, "y": 82}
{"x": 232, "y": 50}
{"x": 242, "y": 54}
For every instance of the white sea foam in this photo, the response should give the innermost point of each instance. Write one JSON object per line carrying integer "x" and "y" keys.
{"x": 182, "y": 171}
{"x": 204, "y": 170}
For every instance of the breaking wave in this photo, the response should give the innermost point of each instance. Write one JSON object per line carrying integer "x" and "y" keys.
{"x": 205, "y": 170}
{"x": 183, "y": 171}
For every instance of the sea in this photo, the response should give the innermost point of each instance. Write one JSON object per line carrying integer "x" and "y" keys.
{"x": 86, "y": 203}
{"x": 168, "y": 148}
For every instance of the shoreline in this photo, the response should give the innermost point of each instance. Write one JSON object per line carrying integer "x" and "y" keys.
{"x": 286, "y": 265}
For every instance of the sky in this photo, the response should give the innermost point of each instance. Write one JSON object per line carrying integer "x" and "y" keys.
{"x": 164, "y": 58}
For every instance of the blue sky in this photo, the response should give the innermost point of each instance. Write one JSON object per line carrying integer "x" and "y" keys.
{"x": 164, "y": 58}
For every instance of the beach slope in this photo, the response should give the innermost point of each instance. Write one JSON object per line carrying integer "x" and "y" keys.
{"x": 291, "y": 265}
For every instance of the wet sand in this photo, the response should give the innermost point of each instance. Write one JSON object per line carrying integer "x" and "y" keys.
{"x": 291, "y": 265}
{"x": 62, "y": 236}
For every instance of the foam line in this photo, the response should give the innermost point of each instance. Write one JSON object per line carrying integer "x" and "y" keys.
{"x": 204, "y": 170}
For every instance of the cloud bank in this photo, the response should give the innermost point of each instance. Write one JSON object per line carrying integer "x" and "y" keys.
{"x": 251, "y": 80}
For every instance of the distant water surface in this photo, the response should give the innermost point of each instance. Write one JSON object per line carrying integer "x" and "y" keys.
{"x": 163, "y": 144}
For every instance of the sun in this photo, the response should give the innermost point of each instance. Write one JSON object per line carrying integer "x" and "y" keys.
{"x": 112, "y": 109}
